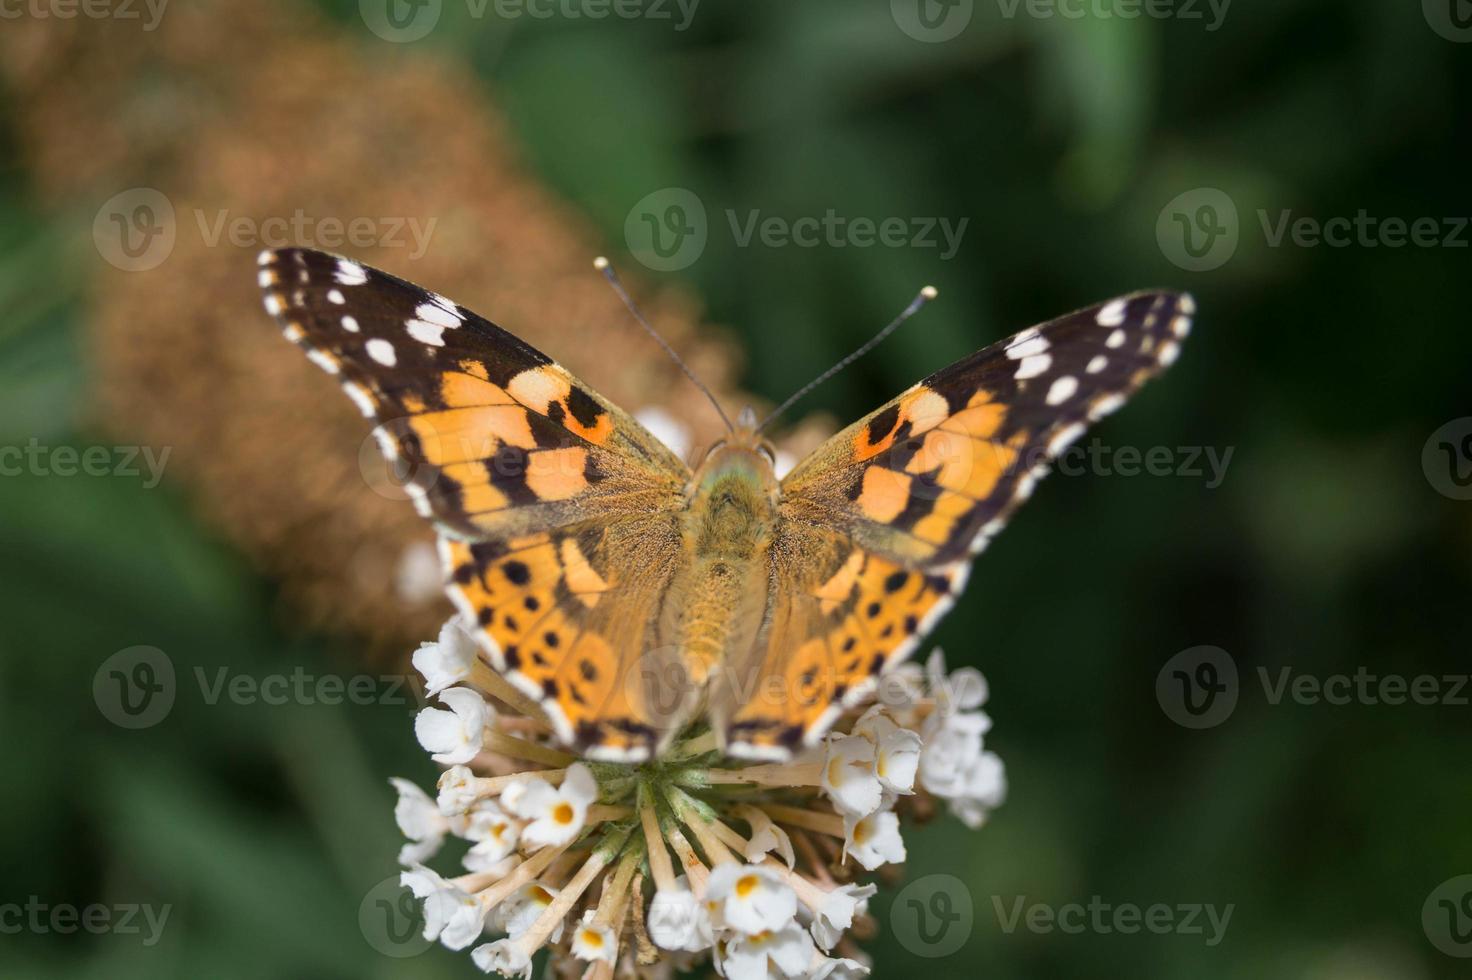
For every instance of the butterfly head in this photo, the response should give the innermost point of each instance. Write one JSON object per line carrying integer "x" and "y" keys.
{"x": 744, "y": 455}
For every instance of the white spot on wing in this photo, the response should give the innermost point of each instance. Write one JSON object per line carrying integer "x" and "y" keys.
{"x": 441, "y": 311}
{"x": 1029, "y": 343}
{"x": 1111, "y": 314}
{"x": 1116, "y": 339}
{"x": 350, "y": 324}
{"x": 1064, "y": 438}
{"x": 1180, "y": 326}
{"x": 273, "y": 304}
{"x": 1062, "y": 389}
{"x": 426, "y": 332}
{"x": 335, "y": 296}
{"x": 1031, "y": 367}
{"x": 1169, "y": 351}
{"x": 360, "y": 397}
{"x": 1097, "y": 364}
{"x": 350, "y": 273}
{"x": 324, "y": 361}
{"x": 1105, "y": 406}
{"x": 265, "y": 257}
{"x": 381, "y": 351}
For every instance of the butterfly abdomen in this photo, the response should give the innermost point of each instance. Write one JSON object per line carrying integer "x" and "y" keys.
{"x": 720, "y": 599}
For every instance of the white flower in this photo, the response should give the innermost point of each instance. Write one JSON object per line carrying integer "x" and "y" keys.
{"x": 517, "y": 913}
{"x": 483, "y": 860}
{"x": 836, "y": 914}
{"x": 666, "y": 428}
{"x": 457, "y": 790}
{"x": 677, "y": 919}
{"x": 765, "y": 836}
{"x": 493, "y": 830}
{"x": 984, "y": 789}
{"x": 451, "y": 915}
{"x": 594, "y": 941}
{"x": 896, "y": 751}
{"x": 555, "y": 815}
{"x": 750, "y": 898}
{"x": 448, "y": 661}
{"x": 964, "y": 689}
{"x": 849, "y": 778}
{"x": 838, "y": 968}
{"x": 420, "y": 821}
{"x": 454, "y": 736}
{"x": 952, "y": 746}
{"x": 785, "y": 952}
{"x": 874, "y": 839}
{"x": 504, "y": 957}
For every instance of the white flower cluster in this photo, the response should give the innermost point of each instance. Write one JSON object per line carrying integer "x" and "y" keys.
{"x": 648, "y": 868}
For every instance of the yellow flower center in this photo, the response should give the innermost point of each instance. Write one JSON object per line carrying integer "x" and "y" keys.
{"x": 563, "y": 813}
{"x": 745, "y": 885}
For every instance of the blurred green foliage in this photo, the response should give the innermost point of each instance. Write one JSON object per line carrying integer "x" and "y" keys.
{"x": 1325, "y": 548}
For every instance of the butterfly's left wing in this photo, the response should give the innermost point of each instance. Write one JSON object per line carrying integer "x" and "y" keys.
{"x": 879, "y": 525}
{"x": 558, "y": 512}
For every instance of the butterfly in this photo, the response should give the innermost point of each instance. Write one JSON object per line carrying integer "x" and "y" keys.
{"x": 631, "y": 595}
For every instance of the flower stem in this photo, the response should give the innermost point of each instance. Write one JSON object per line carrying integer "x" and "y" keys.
{"x": 823, "y": 823}
{"x": 484, "y": 676}
{"x": 520, "y": 748}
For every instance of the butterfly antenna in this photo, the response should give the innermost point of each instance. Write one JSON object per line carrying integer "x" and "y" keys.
{"x": 603, "y": 266}
{"x": 924, "y": 296}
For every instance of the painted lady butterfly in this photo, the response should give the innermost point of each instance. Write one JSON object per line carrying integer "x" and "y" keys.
{"x": 632, "y": 596}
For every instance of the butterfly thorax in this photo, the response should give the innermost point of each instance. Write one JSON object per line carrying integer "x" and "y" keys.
{"x": 716, "y": 604}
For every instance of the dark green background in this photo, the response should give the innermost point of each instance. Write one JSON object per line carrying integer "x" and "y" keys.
{"x": 1325, "y": 549}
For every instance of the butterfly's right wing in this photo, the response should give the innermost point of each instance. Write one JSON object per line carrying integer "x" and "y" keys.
{"x": 557, "y": 510}
{"x": 879, "y": 525}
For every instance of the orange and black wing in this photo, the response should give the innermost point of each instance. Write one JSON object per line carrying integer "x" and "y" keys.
{"x": 890, "y": 511}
